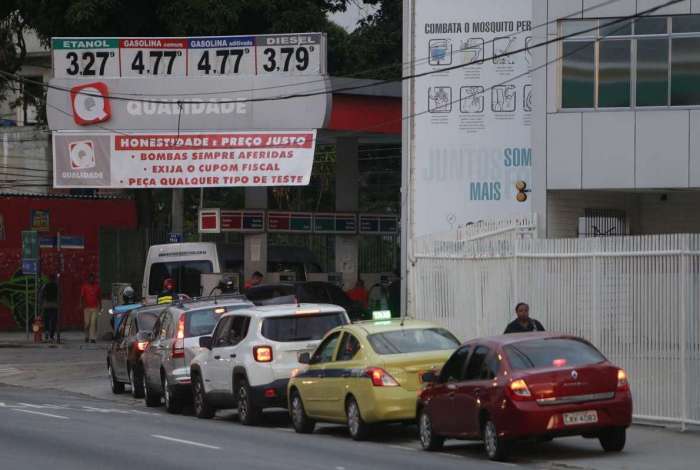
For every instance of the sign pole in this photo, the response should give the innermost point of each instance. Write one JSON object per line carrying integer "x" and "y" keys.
{"x": 26, "y": 305}
{"x": 59, "y": 283}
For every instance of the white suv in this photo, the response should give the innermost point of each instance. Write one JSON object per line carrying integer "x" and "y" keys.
{"x": 251, "y": 354}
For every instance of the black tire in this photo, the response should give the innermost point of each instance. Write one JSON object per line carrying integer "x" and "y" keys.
{"x": 496, "y": 447}
{"x": 248, "y": 413}
{"x": 202, "y": 408}
{"x": 301, "y": 422}
{"x": 359, "y": 430}
{"x": 173, "y": 399}
{"x": 116, "y": 386}
{"x": 613, "y": 439}
{"x": 426, "y": 435}
{"x": 152, "y": 397}
{"x": 136, "y": 381}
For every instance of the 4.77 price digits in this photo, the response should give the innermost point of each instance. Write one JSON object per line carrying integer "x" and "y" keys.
{"x": 223, "y": 55}
{"x": 155, "y": 56}
{"x": 282, "y": 62}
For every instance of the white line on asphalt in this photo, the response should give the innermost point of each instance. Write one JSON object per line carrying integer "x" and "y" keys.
{"x": 285, "y": 429}
{"x": 401, "y": 447}
{"x": 40, "y": 413}
{"x": 182, "y": 441}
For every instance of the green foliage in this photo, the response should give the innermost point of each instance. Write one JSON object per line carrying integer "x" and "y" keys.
{"x": 19, "y": 295}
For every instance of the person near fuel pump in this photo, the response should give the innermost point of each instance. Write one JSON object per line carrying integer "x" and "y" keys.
{"x": 119, "y": 312}
{"x": 523, "y": 323}
{"x": 225, "y": 286}
{"x": 359, "y": 294}
{"x": 167, "y": 295}
{"x": 90, "y": 299}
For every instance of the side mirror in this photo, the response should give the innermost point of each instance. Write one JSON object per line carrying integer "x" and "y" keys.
{"x": 304, "y": 358}
{"x": 205, "y": 342}
{"x": 429, "y": 377}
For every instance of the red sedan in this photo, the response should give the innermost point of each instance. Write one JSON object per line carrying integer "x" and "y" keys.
{"x": 525, "y": 385}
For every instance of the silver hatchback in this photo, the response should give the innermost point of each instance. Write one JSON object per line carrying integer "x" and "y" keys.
{"x": 174, "y": 343}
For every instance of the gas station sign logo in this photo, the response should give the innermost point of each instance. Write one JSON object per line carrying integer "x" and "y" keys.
{"x": 90, "y": 103}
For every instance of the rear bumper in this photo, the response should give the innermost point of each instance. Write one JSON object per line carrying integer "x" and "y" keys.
{"x": 388, "y": 404}
{"x": 271, "y": 395}
{"x": 529, "y": 419}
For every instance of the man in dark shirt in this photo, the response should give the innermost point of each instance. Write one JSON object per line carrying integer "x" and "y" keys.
{"x": 523, "y": 323}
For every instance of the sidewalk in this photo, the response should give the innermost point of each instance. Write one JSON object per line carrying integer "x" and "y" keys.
{"x": 69, "y": 339}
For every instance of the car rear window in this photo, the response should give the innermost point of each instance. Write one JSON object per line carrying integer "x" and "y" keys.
{"x": 301, "y": 327}
{"x": 202, "y": 322}
{"x": 146, "y": 320}
{"x": 552, "y": 352}
{"x": 413, "y": 340}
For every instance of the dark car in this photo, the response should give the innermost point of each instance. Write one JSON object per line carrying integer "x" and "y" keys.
{"x": 526, "y": 385}
{"x": 313, "y": 292}
{"x": 129, "y": 342}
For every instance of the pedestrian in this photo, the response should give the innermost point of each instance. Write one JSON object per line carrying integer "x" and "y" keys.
{"x": 523, "y": 323}
{"x": 90, "y": 299}
{"x": 167, "y": 295}
{"x": 359, "y": 293}
{"x": 255, "y": 280}
{"x": 49, "y": 305}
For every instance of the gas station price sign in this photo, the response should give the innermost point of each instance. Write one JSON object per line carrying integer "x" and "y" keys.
{"x": 378, "y": 224}
{"x": 340, "y": 224}
{"x": 294, "y": 222}
{"x": 213, "y": 56}
{"x": 242, "y": 221}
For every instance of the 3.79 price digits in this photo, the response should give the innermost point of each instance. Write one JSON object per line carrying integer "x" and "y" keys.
{"x": 88, "y": 59}
{"x": 283, "y": 61}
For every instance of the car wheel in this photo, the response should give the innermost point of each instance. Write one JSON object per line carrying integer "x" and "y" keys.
{"x": 302, "y": 423}
{"x": 428, "y": 439}
{"x": 173, "y": 400}
{"x": 151, "y": 397}
{"x": 613, "y": 439}
{"x": 248, "y": 413}
{"x": 359, "y": 430}
{"x": 116, "y": 386}
{"x": 496, "y": 447}
{"x": 136, "y": 381}
{"x": 202, "y": 409}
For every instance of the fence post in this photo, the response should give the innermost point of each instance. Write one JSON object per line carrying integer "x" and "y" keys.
{"x": 597, "y": 273}
{"x": 685, "y": 276}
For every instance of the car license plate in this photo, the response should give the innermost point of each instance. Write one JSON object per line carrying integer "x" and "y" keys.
{"x": 580, "y": 417}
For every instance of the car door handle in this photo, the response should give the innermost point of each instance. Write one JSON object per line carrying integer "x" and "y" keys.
{"x": 232, "y": 355}
{"x": 477, "y": 391}
{"x": 217, "y": 357}
{"x": 451, "y": 387}
{"x": 346, "y": 374}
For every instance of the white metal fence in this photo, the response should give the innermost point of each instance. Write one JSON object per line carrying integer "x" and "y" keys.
{"x": 636, "y": 298}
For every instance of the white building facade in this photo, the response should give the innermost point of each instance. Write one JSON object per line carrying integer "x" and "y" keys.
{"x": 616, "y": 122}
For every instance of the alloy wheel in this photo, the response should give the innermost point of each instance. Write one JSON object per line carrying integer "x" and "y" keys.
{"x": 297, "y": 411}
{"x": 353, "y": 417}
{"x": 242, "y": 403}
{"x": 490, "y": 439}
{"x": 426, "y": 429}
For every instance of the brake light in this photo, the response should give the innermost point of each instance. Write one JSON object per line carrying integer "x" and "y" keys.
{"x": 519, "y": 391}
{"x": 141, "y": 345}
{"x": 179, "y": 343}
{"x": 622, "y": 383}
{"x": 559, "y": 362}
{"x": 381, "y": 378}
{"x": 262, "y": 353}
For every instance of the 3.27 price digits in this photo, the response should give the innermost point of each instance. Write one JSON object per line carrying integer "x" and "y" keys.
{"x": 282, "y": 62}
{"x": 88, "y": 63}
{"x": 166, "y": 58}
{"x": 229, "y": 61}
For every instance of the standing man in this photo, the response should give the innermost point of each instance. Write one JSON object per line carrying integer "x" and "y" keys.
{"x": 255, "y": 280}
{"x": 359, "y": 294}
{"x": 49, "y": 304}
{"x": 90, "y": 298}
{"x": 523, "y": 323}
{"x": 167, "y": 295}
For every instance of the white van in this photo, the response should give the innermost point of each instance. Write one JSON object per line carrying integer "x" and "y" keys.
{"x": 184, "y": 263}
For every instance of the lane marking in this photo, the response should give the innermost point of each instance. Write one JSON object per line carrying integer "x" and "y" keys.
{"x": 182, "y": 441}
{"x": 49, "y": 415}
{"x": 285, "y": 429}
{"x": 401, "y": 447}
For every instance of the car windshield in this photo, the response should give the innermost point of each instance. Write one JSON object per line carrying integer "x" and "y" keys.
{"x": 185, "y": 274}
{"x": 301, "y": 327}
{"x": 146, "y": 320}
{"x": 202, "y": 322}
{"x": 551, "y": 352}
{"x": 415, "y": 340}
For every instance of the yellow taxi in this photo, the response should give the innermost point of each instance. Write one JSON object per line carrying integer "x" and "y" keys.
{"x": 365, "y": 373}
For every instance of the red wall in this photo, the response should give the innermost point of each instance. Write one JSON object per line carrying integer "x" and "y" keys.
{"x": 79, "y": 217}
{"x": 372, "y": 114}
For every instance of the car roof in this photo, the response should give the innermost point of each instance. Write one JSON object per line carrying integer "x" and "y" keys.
{"x": 514, "y": 338}
{"x": 283, "y": 310}
{"x": 381, "y": 326}
{"x": 152, "y": 308}
{"x": 211, "y": 303}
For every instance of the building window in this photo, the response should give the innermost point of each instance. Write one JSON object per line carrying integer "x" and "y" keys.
{"x": 654, "y": 61}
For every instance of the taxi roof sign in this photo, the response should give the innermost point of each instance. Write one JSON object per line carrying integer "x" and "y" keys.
{"x": 381, "y": 315}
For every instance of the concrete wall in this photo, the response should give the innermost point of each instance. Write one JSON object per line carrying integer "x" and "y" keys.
{"x": 607, "y": 150}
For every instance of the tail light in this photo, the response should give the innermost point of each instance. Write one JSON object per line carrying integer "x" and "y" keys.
{"x": 518, "y": 390}
{"x": 262, "y": 353}
{"x": 141, "y": 345}
{"x": 622, "y": 383}
{"x": 381, "y": 378}
{"x": 179, "y": 343}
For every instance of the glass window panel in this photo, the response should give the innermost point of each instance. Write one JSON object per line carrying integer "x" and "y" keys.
{"x": 685, "y": 71}
{"x": 578, "y": 75}
{"x": 614, "y": 74}
{"x": 582, "y": 27}
{"x": 686, "y": 24}
{"x": 652, "y": 72}
{"x": 652, "y": 25}
{"x": 615, "y": 27}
